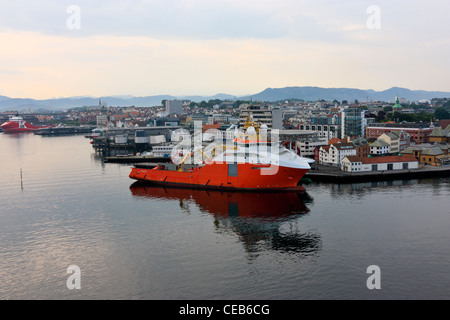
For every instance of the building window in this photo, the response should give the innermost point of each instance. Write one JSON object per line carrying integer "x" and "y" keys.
{"x": 374, "y": 167}
{"x": 405, "y": 166}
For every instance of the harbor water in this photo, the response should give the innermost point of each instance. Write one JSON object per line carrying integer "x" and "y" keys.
{"x": 61, "y": 206}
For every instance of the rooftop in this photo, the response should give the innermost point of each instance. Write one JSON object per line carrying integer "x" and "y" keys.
{"x": 400, "y": 125}
{"x": 379, "y": 143}
{"x": 445, "y": 124}
{"x": 428, "y": 150}
{"x": 344, "y": 146}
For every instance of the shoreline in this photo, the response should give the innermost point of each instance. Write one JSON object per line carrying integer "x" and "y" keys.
{"x": 323, "y": 173}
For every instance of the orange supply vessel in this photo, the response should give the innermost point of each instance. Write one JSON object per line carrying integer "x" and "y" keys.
{"x": 248, "y": 164}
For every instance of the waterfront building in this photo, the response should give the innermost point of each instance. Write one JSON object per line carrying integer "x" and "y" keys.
{"x": 379, "y": 147}
{"x": 362, "y": 147}
{"x": 429, "y": 154}
{"x": 418, "y": 132}
{"x": 388, "y": 163}
{"x": 397, "y": 141}
{"x": 333, "y": 154}
{"x": 440, "y": 135}
{"x": 308, "y": 147}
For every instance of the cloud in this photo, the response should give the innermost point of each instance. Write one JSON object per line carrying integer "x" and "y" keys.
{"x": 48, "y": 65}
{"x": 300, "y": 20}
{"x": 185, "y": 47}
{"x": 157, "y": 18}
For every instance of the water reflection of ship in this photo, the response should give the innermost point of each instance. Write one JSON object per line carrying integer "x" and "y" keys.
{"x": 262, "y": 221}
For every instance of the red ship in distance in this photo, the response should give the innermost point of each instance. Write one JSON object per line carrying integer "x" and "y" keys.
{"x": 18, "y": 124}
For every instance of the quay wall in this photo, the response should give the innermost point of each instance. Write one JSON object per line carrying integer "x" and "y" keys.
{"x": 327, "y": 174}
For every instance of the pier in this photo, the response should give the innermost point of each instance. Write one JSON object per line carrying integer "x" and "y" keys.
{"x": 60, "y": 131}
{"x": 322, "y": 173}
{"x": 131, "y": 139}
{"x": 132, "y": 159}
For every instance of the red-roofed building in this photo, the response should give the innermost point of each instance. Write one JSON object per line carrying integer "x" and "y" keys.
{"x": 388, "y": 163}
{"x": 444, "y": 123}
{"x": 418, "y": 132}
{"x": 333, "y": 154}
{"x": 207, "y": 127}
{"x": 336, "y": 140}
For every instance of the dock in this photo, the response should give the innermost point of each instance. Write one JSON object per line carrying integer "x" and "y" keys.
{"x": 55, "y": 131}
{"x": 322, "y": 173}
{"x": 131, "y": 139}
{"x": 131, "y": 159}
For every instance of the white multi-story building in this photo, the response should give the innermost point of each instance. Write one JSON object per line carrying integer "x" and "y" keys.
{"x": 379, "y": 148}
{"x": 353, "y": 122}
{"x": 308, "y": 147}
{"x": 102, "y": 121}
{"x": 218, "y": 118}
{"x": 333, "y": 154}
{"x": 397, "y": 140}
{"x": 271, "y": 117}
{"x": 327, "y": 131}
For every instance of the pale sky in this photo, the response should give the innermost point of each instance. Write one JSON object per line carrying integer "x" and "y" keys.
{"x": 60, "y": 48}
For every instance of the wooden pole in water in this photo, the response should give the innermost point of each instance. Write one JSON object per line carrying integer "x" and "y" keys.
{"x": 21, "y": 178}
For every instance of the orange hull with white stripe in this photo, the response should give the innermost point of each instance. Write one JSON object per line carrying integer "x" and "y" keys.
{"x": 216, "y": 175}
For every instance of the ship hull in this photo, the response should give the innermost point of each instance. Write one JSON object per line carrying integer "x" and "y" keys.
{"x": 15, "y": 126}
{"x": 250, "y": 177}
{"x": 224, "y": 204}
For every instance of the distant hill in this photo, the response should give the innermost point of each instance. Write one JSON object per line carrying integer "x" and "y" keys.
{"x": 73, "y": 102}
{"x": 7, "y": 103}
{"x": 330, "y": 94}
{"x": 269, "y": 94}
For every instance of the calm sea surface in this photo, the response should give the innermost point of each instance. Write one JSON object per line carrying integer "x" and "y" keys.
{"x": 138, "y": 242}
